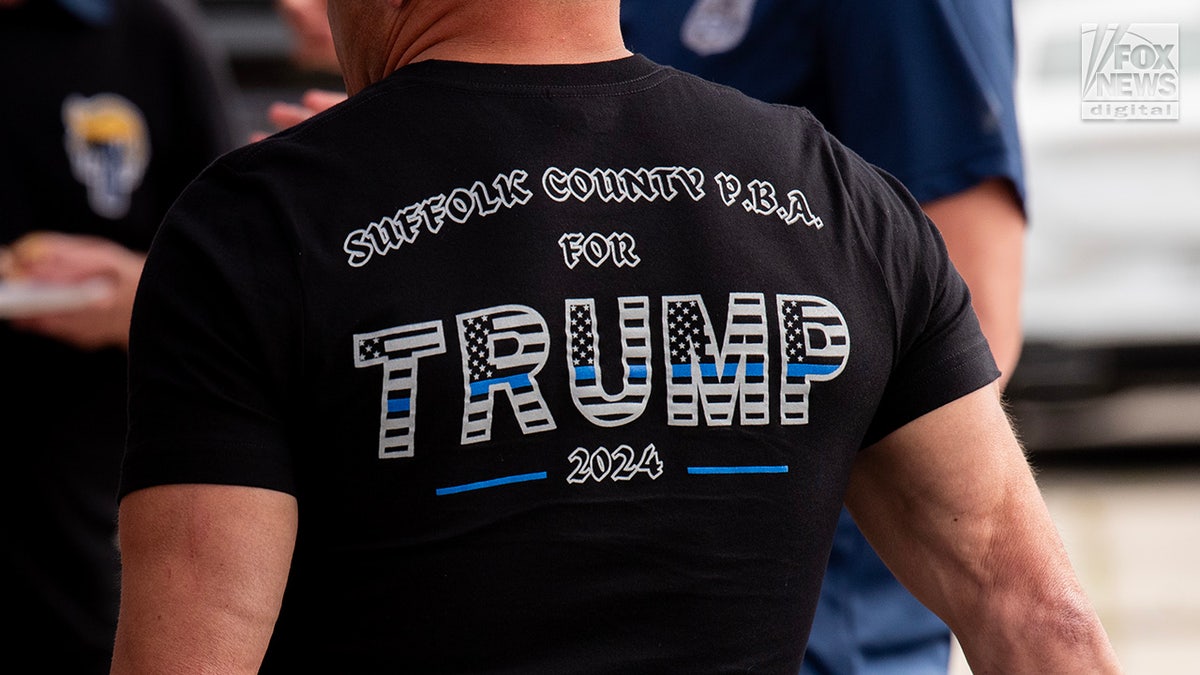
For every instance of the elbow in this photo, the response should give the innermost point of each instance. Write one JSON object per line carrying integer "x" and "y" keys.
{"x": 1027, "y": 626}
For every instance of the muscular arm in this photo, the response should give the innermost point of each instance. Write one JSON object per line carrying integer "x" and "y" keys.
{"x": 204, "y": 568}
{"x": 951, "y": 506}
{"x": 984, "y": 230}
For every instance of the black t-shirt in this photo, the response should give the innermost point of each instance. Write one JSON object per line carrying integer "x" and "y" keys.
{"x": 101, "y": 128}
{"x": 566, "y": 365}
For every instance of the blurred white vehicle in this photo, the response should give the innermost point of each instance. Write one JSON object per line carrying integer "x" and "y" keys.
{"x": 1112, "y": 303}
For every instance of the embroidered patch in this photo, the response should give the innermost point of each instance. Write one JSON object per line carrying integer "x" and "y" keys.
{"x": 716, "y": 26}
{"x": 109, "y": 147}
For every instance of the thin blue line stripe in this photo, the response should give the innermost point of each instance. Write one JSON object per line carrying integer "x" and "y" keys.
{"x": 730, "y": 470}
{"x": 806, "y": 369}
{"x": 518, "y": 381}
{"x": 730, "y": 370}
{"x": 398, "y": 404}
{"x": 497, "y": 482}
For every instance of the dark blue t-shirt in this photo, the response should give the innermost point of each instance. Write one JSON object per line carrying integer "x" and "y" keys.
{"x": 922, "y": 88}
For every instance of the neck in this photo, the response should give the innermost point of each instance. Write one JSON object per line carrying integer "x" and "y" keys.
{"x": 501, "y": 31}
{"x": 520, "y": 32}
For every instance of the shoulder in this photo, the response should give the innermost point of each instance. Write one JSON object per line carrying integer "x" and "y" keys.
{"x": 721, "y": 107}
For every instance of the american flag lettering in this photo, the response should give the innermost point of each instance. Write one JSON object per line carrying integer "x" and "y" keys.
{"x": 503, "y": 349}
{"x": 398, "y": 350}
{"x": 816, "y": 346}
{"x": 583, "y": 344}
{"x": 719, "y": 379}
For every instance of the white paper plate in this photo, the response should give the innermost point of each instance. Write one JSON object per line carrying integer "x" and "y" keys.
{"x": 29, "y": 298}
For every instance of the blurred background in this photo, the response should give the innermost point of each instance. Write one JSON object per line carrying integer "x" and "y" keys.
{"x": 1107, "y": 394}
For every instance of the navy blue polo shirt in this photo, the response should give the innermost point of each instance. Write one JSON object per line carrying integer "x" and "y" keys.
{"x": 93, "y": 11}
{"x": 921, "y": 88}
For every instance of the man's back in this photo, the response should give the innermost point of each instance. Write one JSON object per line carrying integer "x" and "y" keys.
{"x": 650, "y": 323}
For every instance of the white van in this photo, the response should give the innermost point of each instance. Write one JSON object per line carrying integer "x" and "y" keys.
{"x": 1112, "y": 301}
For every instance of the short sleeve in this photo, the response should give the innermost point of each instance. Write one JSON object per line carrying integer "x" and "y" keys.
{"x": 924, "y": 89}
{"x": 939, "y": 351}
{"x": 213, "y": 343}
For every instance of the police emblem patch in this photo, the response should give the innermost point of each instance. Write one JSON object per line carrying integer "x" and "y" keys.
{"x": 109, "y": 147}
{"x": 716, "y": 26}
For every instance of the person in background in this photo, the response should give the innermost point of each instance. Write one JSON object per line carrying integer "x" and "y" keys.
{"x": 312, "y": 49}
{"x": 312, "y": 45}
{"x": 923, "y": 89}
{"x": 374, "y": 427}
{"x": 110, "y": 108}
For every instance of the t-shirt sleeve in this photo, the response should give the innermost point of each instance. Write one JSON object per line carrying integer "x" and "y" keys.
{"x": 924, "y": 89}
{"x": 939, "y": 351}
{"x": 213, "y": 341}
